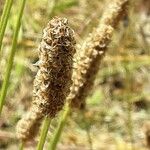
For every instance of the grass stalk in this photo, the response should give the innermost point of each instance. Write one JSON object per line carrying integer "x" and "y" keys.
{"x": 89, "y": 139}
{"x": 129, "y": 108}
{"x": 21, "y": 146}
{"x": 11, "y": 57}
{"x": 129, "y": 120}
{"x": 57, "y": 134}
{"x": 44, "y": 131}
{"x": 4, "y": 19}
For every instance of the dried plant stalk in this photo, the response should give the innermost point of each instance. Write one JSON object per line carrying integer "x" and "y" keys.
{"x": 53, "y": 80}
{"x": 90, "y": 54}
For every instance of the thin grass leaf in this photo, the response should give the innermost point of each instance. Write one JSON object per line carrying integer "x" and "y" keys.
{"x": 11, "y": 57}
{"x": 44, "y": 132}
{"x": 57, "y": 135}
{"x": 4, "y": 19}
{"x": 21, "y": 146}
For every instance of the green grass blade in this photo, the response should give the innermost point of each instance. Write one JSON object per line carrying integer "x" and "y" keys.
{"x": 4, "y": 19}
{"x": 45, "y": 127}
{"x": 21, "y": 146}
{"x": 57, "y": 134}
{"x": 11, "y": 57}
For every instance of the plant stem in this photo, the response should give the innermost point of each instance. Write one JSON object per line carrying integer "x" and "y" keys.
{"x": 4, "y": 19}
{"x": 57, "y": 134}
{"x": 89, "y": 139}
{"x": 21, "y": 146}
{"x": 11, "y": 57}
{"x": 44, "y": 131}
{"x": 129, "y": 107}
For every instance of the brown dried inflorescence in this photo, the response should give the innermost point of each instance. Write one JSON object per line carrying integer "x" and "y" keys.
{"x": 53, "y": 80}
{"x": 28, "y": 126}
{"x": 87, "y": 61}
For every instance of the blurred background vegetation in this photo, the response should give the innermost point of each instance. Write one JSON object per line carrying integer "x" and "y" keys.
{"x": 117, "y": 114}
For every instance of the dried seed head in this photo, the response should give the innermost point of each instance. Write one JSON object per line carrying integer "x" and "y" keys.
{"x": 90, "y": 54}
{"x": 115, "y": 11}
{"x": 53, "y": 80}
{"x": 87, "y": 64}
{"x": 28, "y": 126}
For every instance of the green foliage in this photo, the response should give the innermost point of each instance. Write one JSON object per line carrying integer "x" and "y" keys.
{"x": 65, "y": 4}
{"x": 17, "y": 73}
{"x": 96, "y": 98}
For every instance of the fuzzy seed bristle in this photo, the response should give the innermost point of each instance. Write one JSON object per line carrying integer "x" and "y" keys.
{"x": 53, "y": 80}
